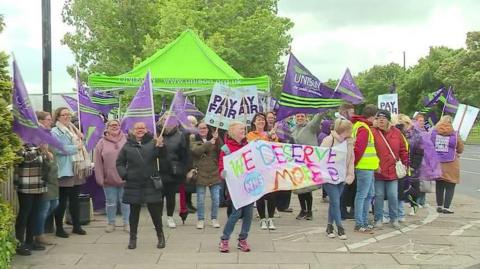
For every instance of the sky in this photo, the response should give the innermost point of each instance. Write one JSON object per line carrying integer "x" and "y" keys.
{"x": 328, "y": 36}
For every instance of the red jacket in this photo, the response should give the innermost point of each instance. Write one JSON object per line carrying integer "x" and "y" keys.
{"x": 233, "y": 146}
{"x": 361, "y": 140}
{"x": 387, "y": 162}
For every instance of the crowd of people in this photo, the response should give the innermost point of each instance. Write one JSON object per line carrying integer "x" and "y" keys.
{"x": 391, "y": 161}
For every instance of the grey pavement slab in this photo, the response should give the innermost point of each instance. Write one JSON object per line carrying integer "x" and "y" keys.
{"x": 277, "y": 257}
{"x": 133, "y": 257}
{"x": 199, "y": 258}
{"x": 433, "y": 259}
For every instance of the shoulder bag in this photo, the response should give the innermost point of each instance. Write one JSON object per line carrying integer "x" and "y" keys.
{"x": 400, "y": 169}
{"x": 156, "y": 179}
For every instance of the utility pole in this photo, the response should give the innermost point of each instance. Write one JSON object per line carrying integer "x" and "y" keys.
{"x": 46, "y": 55}
{"x": 404, "y": 65}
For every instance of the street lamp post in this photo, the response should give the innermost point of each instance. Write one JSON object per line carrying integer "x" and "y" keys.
{"x": 46, "y": 56}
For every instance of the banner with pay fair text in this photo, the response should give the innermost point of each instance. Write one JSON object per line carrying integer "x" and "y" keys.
{"x": 262, "y": 167}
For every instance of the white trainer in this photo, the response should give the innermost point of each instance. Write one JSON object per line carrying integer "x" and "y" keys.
{"x": 215, "y": 223}
{"x": 271, "y": 226}
{"x": 171, "y": 223}
{"x": 263, "y": 224}
{"x": 200, "y": 224}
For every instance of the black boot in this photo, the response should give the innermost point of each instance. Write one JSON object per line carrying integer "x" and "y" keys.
{"x": 132, "y": 243}
{"x": 161, "y": 239}
{"x": 60, "y": 232}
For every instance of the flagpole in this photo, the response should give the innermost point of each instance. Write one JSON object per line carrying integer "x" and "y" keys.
{"x": 153, "y": 104}
{"x": 446, "y": 100}
{"x": 78, "y": 100}
{"x": 169, "y": 112}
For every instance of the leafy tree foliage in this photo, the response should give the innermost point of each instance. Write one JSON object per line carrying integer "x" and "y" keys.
{"x": 111, "y": 36}
{"x": 9, "y": 143}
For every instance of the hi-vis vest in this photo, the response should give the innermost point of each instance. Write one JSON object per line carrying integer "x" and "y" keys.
{"x": 369, "y": 160}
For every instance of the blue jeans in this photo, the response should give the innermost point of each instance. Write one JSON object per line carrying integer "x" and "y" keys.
{"x": 246, "y": 212}
{"x": 389, "y": 187}
{"x": 365, "y": 192}
{"x": 421, "y": 198}
{"x": 334, "y": 191}
{"x": 215, "y": 196}
{"x": 45, "y": 209}
{"x": 401, "y": 210}
{"x": 113, "y": 196}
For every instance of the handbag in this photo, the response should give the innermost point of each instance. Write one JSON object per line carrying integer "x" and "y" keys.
{"x": 427, "y": 186}
{"x": 400, "y": 169}
{"x": 156, "y": 179}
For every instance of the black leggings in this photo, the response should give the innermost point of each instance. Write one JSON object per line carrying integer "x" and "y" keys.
{"x": 282, "y": 200}
{"x": 27, "y": 214}
{"x": 269, "y": 198}
{"x": 169, "y": 192}
{"x": 445, "y": 191}
{"x": 306, "y": 200}
{"x": 155, "y": 210}
{"x": 69, "y": 194}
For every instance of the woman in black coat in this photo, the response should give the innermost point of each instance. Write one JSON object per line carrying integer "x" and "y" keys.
{"x": 136, "y": 164}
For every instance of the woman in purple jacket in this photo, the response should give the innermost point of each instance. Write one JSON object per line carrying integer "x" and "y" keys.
{"x": 106, "y": 153}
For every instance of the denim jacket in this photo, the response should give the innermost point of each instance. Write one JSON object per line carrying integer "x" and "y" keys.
{"x": 64, "y": 159}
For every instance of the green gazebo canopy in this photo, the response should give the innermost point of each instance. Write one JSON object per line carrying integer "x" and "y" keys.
{"x": 186, "y": 63}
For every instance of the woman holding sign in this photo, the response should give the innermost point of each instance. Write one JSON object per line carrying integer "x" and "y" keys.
{"x": 234, "y": 141}
{"x": 341, "y": 133}
{"x": 258, "y": 133}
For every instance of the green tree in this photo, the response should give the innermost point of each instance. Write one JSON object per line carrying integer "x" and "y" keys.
{"x": 111, "y": 36}
{"x": 9, "y": 143}
{"x": 462, "y": 71}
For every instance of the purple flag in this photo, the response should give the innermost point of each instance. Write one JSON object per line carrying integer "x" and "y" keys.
{"x": 303, "y": 93}
{"x": 177, "y": 114}
{"x": 72, "y": 102}
{"x": 90, "y": 118}
{"x": 348, "y": 90}
{"x": 450, "y": 103}
{"x": 141, "y": 108}
{"x": 25, "y": 122}
{"x": 433, "y": 98}
{"x": 104, "y": 102}
{"x": 191, "y": 109}
{"x": 283, "y": 132}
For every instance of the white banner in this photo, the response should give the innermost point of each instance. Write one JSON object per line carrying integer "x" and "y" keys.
{"x": 262, "y": 167}
{"x": 464, "y": 120}
{"x": 389, "y": 102}
{"x": 229, "y": 104}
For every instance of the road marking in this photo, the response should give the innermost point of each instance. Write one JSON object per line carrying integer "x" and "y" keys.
{"x": 469, "y": 159}
{"x": 432, "y": 215}
{"x": 470, "y": 172}
{"x": 463, "y": 228}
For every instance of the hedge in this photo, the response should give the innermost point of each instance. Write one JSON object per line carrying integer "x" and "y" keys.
{"x": 7, "y": 239}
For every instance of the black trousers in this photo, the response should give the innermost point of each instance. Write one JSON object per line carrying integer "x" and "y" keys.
{"x": 155, "y": 210}
{"x": 69, "y": 194}
{"x": 268, "y": 199}
{"x": 445, "y": 191}
{"x": 282, "y": 200}
{"x": 169, "y": 192}
{"x": 26, "y": 217}
{"x": 306, "y": 200}
{"x": 348, "y": 199}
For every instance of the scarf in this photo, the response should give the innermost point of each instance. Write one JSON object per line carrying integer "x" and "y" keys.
{"x": 81, "y": 160}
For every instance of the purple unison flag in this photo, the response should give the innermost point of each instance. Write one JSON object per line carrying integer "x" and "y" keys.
{"x": 25, "y": 122}
{"x": 450, "y": 103}
{"x": 90, "y": 118}
{"x": 141, "y": 108}
{"x": 348, "y": 90}
{"x": 191, "y": 109}
{"x": 177, "y": 114}
{"x": 283, "y": 132}
{"x": 432, "y": 98}
{"x": 104, "y": 102}
{"x": 72, "y": 102}
{"x": 303, "y": 93}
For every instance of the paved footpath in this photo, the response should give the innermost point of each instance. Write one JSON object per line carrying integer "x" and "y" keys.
{"x": 427, "y": 240}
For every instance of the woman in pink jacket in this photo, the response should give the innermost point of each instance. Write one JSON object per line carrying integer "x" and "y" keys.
{"x": 106, "y": 153}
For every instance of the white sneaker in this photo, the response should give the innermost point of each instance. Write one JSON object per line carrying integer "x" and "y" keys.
{"x": 396, "y": 225}
{"x": 412, "y": 212}
{"x": 200, "y": 224}
{"x": 263, "y": 224}
{"x": 385, "y": 220}
{"x": 126, "y": 228}
{"x": 171, "y": 223}
{"x": 271, "y": 226}
{"x": 215, "y": 223}
{"x": 110, "y": 228}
